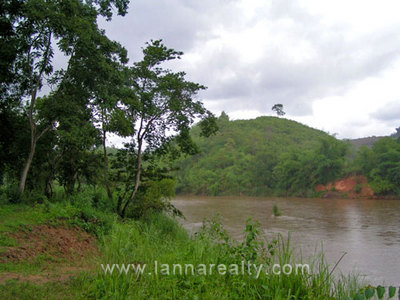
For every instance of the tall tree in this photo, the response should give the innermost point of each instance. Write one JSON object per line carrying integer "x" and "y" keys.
{"x": 90, "y": 88}
{"x": 163, "y": 104}
{"x": 109, "y": 89}
{"x": 34, "y": 27}
{"x": 278, "y": 108}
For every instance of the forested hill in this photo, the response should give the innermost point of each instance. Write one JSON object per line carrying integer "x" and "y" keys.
{"x": 263, "y": 156}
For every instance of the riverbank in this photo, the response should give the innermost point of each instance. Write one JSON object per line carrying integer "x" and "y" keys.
{"x": 54, "y": 274}
{"x": 334, "y": 225}
{"x": 351, "y": 187}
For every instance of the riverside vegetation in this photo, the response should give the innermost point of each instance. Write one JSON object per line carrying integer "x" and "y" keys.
{"x": 155, "y": 236}
{"x": 57, "y": 173}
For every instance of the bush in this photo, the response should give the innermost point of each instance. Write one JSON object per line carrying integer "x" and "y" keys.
{"x": 80, "y": 211}
{"x": 10, "y": 194}
{"x": 35, "y": 197}
{"x": 154, "y": 197}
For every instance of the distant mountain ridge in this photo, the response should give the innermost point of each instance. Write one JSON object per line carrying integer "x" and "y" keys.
{"x": 366, "y": 141}
{"x": 371, "y": 140}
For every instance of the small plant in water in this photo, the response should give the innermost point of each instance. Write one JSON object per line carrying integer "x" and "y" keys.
{"x": 276, "y": 211}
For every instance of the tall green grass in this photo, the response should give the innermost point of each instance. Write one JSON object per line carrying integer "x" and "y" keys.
{"x": 159, "y": 238}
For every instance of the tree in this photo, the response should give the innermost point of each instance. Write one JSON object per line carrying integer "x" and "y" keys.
{"x": 162, "y": 103}
{"x": 109, "y": 89}
{"x": 86, "y": 97}
{"x": 384, "y": 171}
{"x": 278, "y": 108}
{"x": 33, "y": 27}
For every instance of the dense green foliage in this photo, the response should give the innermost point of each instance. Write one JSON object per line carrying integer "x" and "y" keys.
{"x": 52, "y": 138}
{"x": 35, "y": 30}
{"x": 264, "y": 156}
{"x": 381, "y": 164}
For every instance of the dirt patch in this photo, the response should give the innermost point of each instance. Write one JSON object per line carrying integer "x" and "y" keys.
{"x": 63, "y": 251}
{"x": 350, "y": 187}
{"x": 56, "y": 242}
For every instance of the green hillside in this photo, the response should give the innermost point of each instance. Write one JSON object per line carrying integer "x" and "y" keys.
{"x": 263, "y": 156}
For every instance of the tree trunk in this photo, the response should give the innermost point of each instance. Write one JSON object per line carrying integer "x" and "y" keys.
{"x": 106, "y": 182}
{"x": 48, "y": 190}
{"x": 34, "y": 137}
{"x": 28, "y": 163}
{"x": 137, "y": 181}
{"x": 25, "y": 171}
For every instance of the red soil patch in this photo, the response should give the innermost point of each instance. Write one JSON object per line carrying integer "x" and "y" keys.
{"x": 57, "y": 242}
{"x": 352, "y": 187}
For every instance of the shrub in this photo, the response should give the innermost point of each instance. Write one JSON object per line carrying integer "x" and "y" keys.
{"x": 9, "y": 194}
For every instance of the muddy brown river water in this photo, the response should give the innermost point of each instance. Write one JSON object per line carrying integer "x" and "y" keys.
{"x": 368, "y": 229}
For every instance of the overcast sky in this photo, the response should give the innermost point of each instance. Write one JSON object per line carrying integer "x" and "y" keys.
{"x": 334, "y": 65}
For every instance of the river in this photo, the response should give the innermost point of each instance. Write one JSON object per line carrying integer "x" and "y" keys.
{"x": 366, "y": 229}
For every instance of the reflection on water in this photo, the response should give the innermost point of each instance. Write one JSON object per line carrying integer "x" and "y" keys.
{"x": 368, "y": 230}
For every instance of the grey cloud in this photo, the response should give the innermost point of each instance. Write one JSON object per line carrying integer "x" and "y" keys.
{"x": 337, "y": 64}
{"x": 179, "y": 23}
{"x": 390, "y": 113}
{"x": 153, "y": 20}
{"x": 331, "y": 72}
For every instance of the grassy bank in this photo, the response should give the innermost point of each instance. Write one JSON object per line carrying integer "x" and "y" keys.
{"x": 156, "y": 237}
